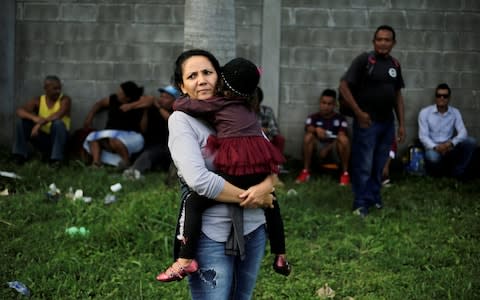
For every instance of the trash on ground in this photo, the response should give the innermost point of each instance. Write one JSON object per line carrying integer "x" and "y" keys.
{"x": 78, "y": 194}
{"x": 325, "y": 292}
{"x": 53, "y": 192}
{"x": 292, "y": 193}
{"x": 116, "y": 187}
{"x": 4, "y": 192}
{"x": 110, "y": 199}
{"x": 20, "y": 287}
{"x": 74, "y": 231}
{"x": 9, "y": 175}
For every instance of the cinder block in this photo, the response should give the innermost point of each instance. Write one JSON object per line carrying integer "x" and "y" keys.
{"x": 407, "y": 39}
{"x": 470, "y": 80}
{"x": 462, "y": 61}
{"x": 153, "y": 14}
{"x": 332, "y": 4}
{"x": 423, "y": 60}
{"x": 249, "y": 35}
{"x": 396, "y": 19}
{"x": 349, "y": 19}
{"x": 422, "y": 20}
{"x": 94, "y": 31}
{"x": 310, "y": 57}
{"x": 95, "y": 71}
{"x": 432, "y": 79}
{"x": 80, "y": 89}
{"x": 408, "y": 4}
{"x": 311, "y": 17}
{"x": 470, "y": 41}
{"x": 114, "y": 52}
{"x": 431, "y": 5}
{"x": 116, "y": 13}
{"x": 37, "y": 50}
{"x": 162, "y": 72}
{"x": 41, "y": 12}
{"x": 442, "y": 41}
{"x": 78, "y": 51}
{"x": 253, "y": 52}
{"x": 472, "y": 5}
{"x": 248, "y": 16}
{"x": 132, "y": 71}
{"x": 154, "y": 52}
{"x": 79, "y": 12}
{"x": 129, "y": 33}
{"x": 413, "y": 78}
{"x": 462, "y": 21}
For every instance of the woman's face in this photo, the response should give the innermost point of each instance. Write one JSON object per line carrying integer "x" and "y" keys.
{"x": 199, "y": 78}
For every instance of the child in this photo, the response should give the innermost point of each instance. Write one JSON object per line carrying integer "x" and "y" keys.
{"x": 243, "y": 156}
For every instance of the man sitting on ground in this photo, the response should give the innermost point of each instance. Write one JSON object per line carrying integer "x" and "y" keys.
{"x": 448, "y": 149}
{"x": 45, "y": 122}
{"x": 326, "y": 130}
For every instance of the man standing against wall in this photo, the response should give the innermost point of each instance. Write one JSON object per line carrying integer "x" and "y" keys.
{"x": 371, "y": 88}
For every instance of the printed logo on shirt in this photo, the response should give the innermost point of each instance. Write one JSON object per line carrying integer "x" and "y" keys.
{"x": 336, "y": 123}
{"x": 308, "y": 121}
{"x": 344, "y": 124}
{"x": 392, "y": 72}
{"x": 319, "y": 123}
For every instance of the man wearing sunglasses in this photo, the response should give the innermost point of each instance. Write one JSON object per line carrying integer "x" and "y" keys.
{"x": 448, "y": 149}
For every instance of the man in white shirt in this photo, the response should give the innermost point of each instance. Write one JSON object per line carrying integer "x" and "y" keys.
{"x": 448, "y": 149}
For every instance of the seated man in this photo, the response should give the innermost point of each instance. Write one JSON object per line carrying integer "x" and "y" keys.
{"x": 327, "y": 130}
{"x": 45, "y": 122}
{"x": 155, "y": 152}
{"x": 269, "y": 123}
{"x": 122, "y": 134}
{"x": 448, "y": 149}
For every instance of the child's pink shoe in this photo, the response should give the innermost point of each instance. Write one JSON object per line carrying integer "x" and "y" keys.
{"x": 176, "y": 272}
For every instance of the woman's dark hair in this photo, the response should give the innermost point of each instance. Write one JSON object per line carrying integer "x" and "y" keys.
{"x": 178, "y": 71}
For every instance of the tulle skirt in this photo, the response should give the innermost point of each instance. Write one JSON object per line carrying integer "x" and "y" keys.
{"x": 246, "y": 155}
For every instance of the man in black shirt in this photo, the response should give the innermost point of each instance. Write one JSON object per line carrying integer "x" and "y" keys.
{"x": 371, "y": 88}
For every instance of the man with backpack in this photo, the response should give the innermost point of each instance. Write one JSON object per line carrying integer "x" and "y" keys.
{"x": 371, "y": 90}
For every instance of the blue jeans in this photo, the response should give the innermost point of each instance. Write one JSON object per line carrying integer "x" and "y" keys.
{"x": 223, "y": 277}
{"x": 52, "y": 145}
{"x": 370, "y": 148}
{"x": 455, "y": 162}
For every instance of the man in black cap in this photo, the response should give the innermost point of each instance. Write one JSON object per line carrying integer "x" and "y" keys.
{"x": 155, "y": 152}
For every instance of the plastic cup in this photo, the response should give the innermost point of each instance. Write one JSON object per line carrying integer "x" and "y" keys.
{"x": 116, "y": 187}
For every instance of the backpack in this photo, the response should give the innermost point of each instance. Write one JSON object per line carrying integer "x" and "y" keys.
{"x": 369, "y": 67}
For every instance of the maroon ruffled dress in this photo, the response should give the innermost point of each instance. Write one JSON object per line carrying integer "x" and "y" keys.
{"x": 240, "y": 146}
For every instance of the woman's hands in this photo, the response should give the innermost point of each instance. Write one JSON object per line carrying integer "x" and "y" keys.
{"x": 259, "y": 195}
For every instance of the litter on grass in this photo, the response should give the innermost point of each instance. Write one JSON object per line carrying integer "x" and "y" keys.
{"x": 20, "y": 287}
{"x": 325, "y": 292}
{"x": 9, "y": 175}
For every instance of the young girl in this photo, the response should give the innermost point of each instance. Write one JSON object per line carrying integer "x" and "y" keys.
{"x": 243, "y": 156}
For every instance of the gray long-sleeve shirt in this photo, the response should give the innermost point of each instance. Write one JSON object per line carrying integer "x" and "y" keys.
{"x": 187, "y": 142}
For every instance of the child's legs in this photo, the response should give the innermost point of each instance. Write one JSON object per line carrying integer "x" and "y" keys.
{"x": 193, "y": 208}
{"x": 275, "y": 229}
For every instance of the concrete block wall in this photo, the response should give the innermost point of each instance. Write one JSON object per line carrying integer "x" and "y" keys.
{"x": 95, "y": 45}
{"x": 437, "y": 41}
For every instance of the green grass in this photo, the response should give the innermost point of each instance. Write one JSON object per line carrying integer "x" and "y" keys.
{"x": 425, "y": 244}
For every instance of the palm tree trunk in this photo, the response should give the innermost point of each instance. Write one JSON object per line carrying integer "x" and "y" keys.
{"x": 210, "y": 25}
